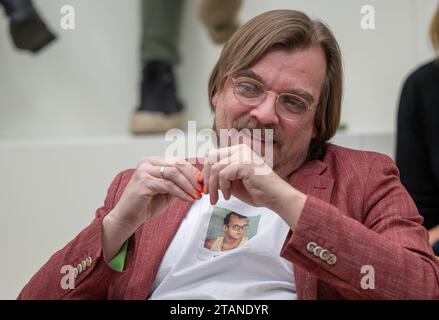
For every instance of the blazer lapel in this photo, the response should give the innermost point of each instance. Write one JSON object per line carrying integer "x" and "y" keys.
{"x": 152, "y": 245}
{"x": 311, "y": 179}
{"x": 151, "y": 248}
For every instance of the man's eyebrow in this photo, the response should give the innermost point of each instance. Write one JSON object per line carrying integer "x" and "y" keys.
{"x": 303, "y": 94}
{"x": 249, "y": 74}
{"x": 253, "y": 75}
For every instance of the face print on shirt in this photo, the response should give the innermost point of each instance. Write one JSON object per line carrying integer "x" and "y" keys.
{"x": 229, "y": 230}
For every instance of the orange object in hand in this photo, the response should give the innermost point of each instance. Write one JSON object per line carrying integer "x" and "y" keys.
{"x": 200, "y": 181}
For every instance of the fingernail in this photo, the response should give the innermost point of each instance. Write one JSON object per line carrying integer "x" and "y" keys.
{"x": 198, "y": 195}
{"x": 199, "y": 177}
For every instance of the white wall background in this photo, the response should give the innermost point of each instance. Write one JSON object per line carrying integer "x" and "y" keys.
{"x": 64, "y": 113}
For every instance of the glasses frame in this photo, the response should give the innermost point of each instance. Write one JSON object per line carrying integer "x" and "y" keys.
{"x": 264, "y": 96}
{"x": 237, "y": 227}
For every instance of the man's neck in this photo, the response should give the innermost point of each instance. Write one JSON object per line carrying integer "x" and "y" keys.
{"x": 286, "y": 172}
{"x": 230, "y": 241}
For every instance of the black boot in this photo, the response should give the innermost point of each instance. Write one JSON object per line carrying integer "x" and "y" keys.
{"x": 28, "y": 31}
{"x": 160, "y": 109}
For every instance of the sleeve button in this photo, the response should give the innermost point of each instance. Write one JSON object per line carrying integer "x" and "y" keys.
{"x": 310, "y": 247}
{"x": 332, "y": 259}
{"x": 324, "y": 254}
{"x": 317, "y": 251}
{"x": 75, "y": 272}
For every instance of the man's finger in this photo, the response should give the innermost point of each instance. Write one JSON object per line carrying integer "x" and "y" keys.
{"x": 173, "y": 174}
{"x": 160, "y": 186}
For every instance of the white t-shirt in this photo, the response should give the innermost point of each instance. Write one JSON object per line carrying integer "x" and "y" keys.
{"x": 252, "y": 270}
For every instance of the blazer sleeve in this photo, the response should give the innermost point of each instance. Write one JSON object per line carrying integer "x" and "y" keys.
{"x": 389, "y": 241}
{"x": 84, "y": 249}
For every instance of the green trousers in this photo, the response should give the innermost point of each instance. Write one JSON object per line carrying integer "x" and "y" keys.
{"x": 161, "y": 30}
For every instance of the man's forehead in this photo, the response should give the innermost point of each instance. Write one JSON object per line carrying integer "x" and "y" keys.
{"x": 235, "y": 217}
{"x": 290, "y": 70}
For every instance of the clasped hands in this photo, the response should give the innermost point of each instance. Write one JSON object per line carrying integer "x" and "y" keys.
{"x": 235, "y": 170}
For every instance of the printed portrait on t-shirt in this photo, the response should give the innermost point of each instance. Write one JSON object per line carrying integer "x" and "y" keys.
{"x": 229, "y": 230}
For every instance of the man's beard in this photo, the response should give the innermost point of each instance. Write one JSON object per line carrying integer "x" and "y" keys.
{"x": 246, "y": 122}
{"x": 265, "y": 141}
{"x": 250, "y": 123}
{"x": 281, "y": 146}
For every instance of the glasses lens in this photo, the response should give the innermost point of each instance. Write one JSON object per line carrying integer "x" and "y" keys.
{"x": 252, "y": 92}
{"x": 291, "y": 105}
{"x": 237, "y": 227}
{"x": 248, "y": 91}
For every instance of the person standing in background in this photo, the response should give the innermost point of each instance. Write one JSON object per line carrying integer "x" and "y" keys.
{"x": 417, "y": 150}
{"x": 160, "y": 109}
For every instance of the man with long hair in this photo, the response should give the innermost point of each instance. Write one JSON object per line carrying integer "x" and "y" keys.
{"x": 326, "y": 211}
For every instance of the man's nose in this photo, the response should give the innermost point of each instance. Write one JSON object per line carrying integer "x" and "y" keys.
{"x": 265, "y": 112}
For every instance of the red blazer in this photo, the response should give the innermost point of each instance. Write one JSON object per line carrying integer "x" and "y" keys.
{"x": 356, "y": 209}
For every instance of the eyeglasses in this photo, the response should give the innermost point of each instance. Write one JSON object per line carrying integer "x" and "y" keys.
{"x": 252, "y": 93}
{"x": 237, "y": 227}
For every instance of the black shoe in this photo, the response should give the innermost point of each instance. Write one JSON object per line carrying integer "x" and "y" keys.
{"x": 28, "y": 31}
{"x": 160, "y": 109}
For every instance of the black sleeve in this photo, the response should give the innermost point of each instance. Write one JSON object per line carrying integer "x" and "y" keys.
{"x": 414, "y": 154}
